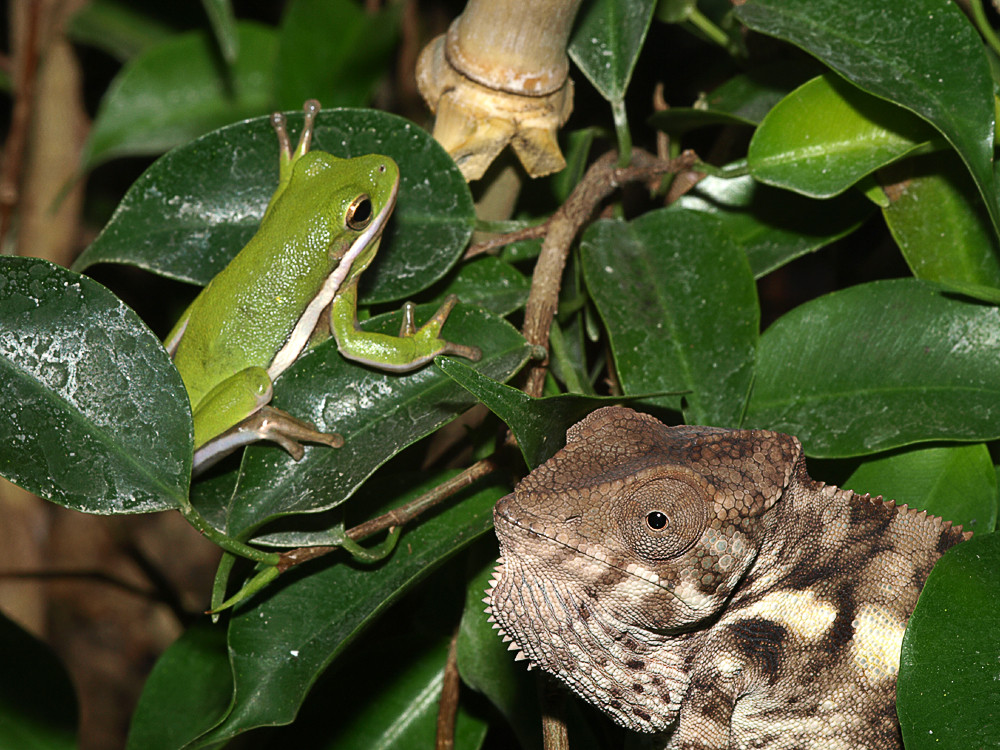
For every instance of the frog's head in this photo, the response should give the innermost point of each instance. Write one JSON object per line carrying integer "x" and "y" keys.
{"x": 350, "y": 200}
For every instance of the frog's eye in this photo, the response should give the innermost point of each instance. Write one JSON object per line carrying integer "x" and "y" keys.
{"x": 359, "y": 213}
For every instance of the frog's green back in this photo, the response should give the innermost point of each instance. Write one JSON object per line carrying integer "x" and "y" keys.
{"x": 244, "y": 316}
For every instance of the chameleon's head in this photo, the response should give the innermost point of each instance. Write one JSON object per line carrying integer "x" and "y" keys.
{"x": 633, "y": 533}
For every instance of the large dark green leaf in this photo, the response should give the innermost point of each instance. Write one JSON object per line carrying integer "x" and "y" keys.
{"x": 280, "y": 643}
{"x": 388, "y": 699}
{"x": 539, "y": 424}
{"x": 947, "y": 693}
{"x": 827, "y": 134}
{"x": 921, "y": 54}
{"x": 953, "y": 241}
{"x": 193, "y": 210}
{"x": 956, "y": 482}
{"x": 679, "y": 302}
{"x": 489, "y": 283}
{"x": 94, "y": 414}
{"x": 177, "y": 90}
{"x": 378, "y": 414}
{"x": 606, "y": 42}
{"x": 879, "y": 366}
{"x": 775, "y": 226}
{"x": 187, "y": 693}
{"x": 38, "y": 709}
{"x": 334, "y": 51}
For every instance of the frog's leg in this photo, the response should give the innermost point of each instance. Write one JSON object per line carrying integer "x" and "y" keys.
{"x": 234, "y": 413}
{"x": 413, "y": 348}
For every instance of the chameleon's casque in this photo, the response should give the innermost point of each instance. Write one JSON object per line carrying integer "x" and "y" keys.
{"x": 695, "y": 581}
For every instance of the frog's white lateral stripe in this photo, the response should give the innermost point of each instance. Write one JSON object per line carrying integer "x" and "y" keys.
{"x": 304, "y": 328}
{"x": 171, "y": 344}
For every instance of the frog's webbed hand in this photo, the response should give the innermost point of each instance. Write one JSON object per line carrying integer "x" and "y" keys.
{"x": 431, "y": 330}
{"x": 411, "y": 349}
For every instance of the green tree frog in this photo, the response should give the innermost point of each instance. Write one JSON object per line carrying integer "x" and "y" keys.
{"x": 294, "y": 284}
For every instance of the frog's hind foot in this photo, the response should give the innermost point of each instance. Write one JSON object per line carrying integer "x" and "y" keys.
{"x": 267, "y": 423}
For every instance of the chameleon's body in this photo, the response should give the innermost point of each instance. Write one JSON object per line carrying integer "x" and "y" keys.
{"x": 695, "y": 581}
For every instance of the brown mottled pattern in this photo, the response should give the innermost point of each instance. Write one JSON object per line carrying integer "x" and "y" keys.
{"x": 695, "y": 581}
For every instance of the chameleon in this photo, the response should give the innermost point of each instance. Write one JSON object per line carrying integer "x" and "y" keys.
{"x": 696, "y": 582}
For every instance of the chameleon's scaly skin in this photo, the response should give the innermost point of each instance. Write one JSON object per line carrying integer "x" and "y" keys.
{"x": 695, "y": 581}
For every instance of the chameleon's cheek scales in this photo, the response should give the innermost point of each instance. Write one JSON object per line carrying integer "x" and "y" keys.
{"x": 554, "y": 624}
{"x": 696, "y": 581}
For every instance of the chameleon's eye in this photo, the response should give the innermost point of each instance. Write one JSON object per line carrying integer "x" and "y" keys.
{"x": 359, "y": 213}
{"x": 656, "y": 520}
{"x": 661, "y": 517}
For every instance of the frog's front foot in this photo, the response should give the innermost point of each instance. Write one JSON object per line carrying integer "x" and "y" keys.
{"x": 267, "y": 423}
{"x": 431, "y": 330}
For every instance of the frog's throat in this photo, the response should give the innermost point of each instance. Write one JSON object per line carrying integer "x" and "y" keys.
{"x": 303, "y": 329}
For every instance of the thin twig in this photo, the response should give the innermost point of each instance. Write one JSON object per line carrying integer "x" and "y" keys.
{"x": 448, "y": 706}
{"x": 528, "y": 233}
{"x": 552, "y": 699}
{"x": 397, "y": 516}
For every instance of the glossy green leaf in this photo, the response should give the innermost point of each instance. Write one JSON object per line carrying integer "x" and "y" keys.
{"x": 281, "y": 643}
{"x": 975, "y": 291}
{"x": 121, "y": 31}
{"x": 187, "y": 693}
{"x": 489, "y": 283}
{"x": 387, "y": 686}
{"x": 922, "y": 54}
{"x": 377, "y": 413}
{"x": 878, "y": 366}
{"x": 539, "y": 424}
{"x": 956, "y": 482}
{"x": 38, "y": 709}
{"x": 743, "y": 99}
{"x": 489, "y": 668}
{"x": 775, "y": 226}
{"x": 827, "y": 134}
{"x": 176, "y": 91}
{"x": 390, "y": 702}
{"x": 679, "y": 303}
{"x": 947, "y": 693}
{"x": 606, "y": 42}
{"x": 334, "y": 51}
{"x": 193, "y": 210}
{"x": 952, "y": 243}
{"x": 94, "y": 414}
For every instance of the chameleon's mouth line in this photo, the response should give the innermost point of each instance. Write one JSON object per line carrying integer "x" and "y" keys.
{"x": 627, "y": 570}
